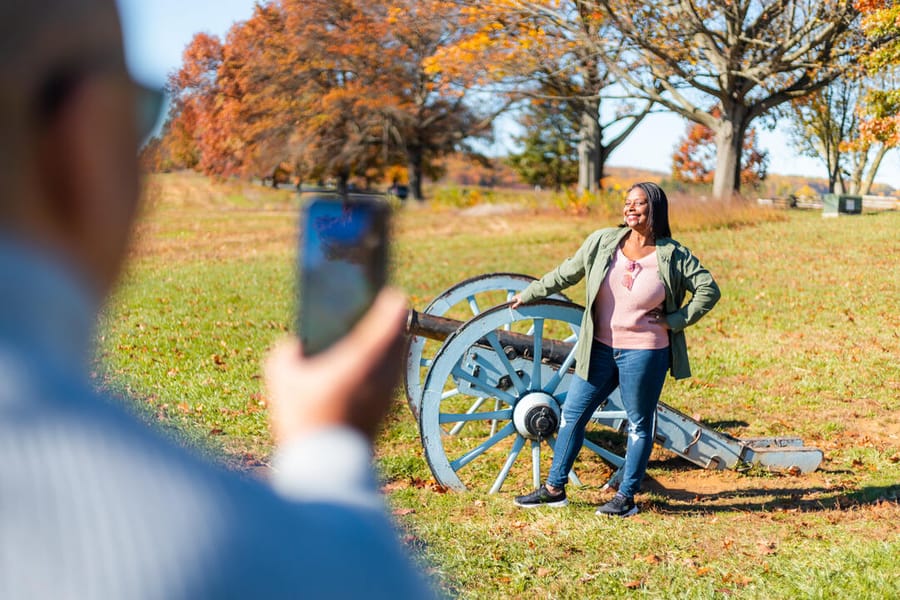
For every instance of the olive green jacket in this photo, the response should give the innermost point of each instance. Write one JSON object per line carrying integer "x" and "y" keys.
{"x": 679, "y": 271}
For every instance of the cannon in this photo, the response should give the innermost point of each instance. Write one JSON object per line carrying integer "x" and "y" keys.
{"x": 486, "y": 381}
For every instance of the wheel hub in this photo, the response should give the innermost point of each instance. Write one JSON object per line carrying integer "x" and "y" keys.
{"x": 536, "y": 415}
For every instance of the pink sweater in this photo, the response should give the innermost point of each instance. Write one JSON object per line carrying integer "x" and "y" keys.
{"x": 620, "y": 313}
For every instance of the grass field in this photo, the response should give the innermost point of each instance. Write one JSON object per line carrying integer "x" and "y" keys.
{"x": 806, "y": 342}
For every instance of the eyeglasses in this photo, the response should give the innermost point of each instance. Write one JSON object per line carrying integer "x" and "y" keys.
{"x": 633, "y": 268}
{"x": 635, "y": 204}
{"x": 61, "y": 82}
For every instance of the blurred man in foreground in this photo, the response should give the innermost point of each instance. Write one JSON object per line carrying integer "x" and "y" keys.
{"x": 92, "y": 504}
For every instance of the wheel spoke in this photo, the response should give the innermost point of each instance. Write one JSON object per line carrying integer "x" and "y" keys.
{"x": 494, "y": 422}
{"x": 475, "y": 406}
{"x": 510, "y": 459}
{"x": 504, "y": 360}
{"x": 509, "y": 297}
{"x": 496, "y": 415}
{"x": 473, "y": 305}
{"x": 536, "y": 463}
{"x": 563, "y": 368}
{"x": 482, "y": 386}
{"x": 536, "y": 363}
{"x": 481, "y": 448}
{"x": 449, "y": 394}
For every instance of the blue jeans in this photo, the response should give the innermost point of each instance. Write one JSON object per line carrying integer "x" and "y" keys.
{"x": 639, "y": 375}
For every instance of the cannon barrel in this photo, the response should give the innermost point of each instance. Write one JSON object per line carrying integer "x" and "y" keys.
{"x": 553, "y": 352}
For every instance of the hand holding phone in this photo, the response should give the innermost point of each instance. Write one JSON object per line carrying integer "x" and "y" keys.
{"x": 342, "y": 265}
{"x": 350, "y": 385}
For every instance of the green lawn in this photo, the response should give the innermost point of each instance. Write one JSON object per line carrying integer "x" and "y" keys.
{"x": 806, "y": 341}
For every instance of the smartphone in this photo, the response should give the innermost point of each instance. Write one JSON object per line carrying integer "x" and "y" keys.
{"x": 342, "y": 264}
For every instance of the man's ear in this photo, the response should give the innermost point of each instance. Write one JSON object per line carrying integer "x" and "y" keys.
{"x": 87, "y": 164}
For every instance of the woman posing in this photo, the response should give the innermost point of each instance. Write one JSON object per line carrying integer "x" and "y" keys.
{"x": 632, "y": 332}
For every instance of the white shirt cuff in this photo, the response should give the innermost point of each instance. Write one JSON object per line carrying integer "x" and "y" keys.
{"x": 329, "y": 465}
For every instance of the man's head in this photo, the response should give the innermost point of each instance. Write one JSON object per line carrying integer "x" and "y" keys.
{"x": 68, "y": 133}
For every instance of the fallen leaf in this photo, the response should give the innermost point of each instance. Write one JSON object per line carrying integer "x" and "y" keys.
{"x": 438, "y": 488}
{"x": 701, "y": 571}
{"x": 736, "y": 579}
{"x": 543, "y": 572}
{"x": 765, "y": 546}
{"x": 400, "y": 512}
{"x": 631, "y": 585}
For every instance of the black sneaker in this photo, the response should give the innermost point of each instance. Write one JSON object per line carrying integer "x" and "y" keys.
{"x": 619, "y": 506}
{"x": 542, "y": 497}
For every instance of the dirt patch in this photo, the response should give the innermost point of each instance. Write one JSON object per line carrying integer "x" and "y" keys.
{"x": 675, "y": 486}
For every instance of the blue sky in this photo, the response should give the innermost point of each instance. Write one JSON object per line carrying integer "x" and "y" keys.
{"x": 156, "y": 32}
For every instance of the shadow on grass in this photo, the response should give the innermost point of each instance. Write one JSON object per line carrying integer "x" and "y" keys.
{"x": 793, "y": 495}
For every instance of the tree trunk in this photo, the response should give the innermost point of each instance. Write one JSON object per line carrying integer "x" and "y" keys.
{"x": 729, "y": 144}
{"x": 414, "y": 166}
{"x": 589, "y": 165}
{"x": 342, "y": 178}
{"x": 866, "y": 184}
{"x": 856, "y": 177}
{"x": 833, "y": 164}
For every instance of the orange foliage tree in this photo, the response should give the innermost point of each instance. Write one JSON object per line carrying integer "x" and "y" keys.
{"x": 694, "y": 159}
{"x": 326, "y": 88}
{"x": 193, "y": 89}
{"x": 881, "y": 115}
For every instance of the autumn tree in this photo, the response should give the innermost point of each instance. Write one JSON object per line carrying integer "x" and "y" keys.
{"x": 694, "y": 159}
{"x": 193, "y": 90}
{"x": 547, "y": 50}
{"x": 330, "y": 87}
{"x": 746, "y": 56}
{"x": 435, "y": 114}
{"x": 256, "y": 102}
{"x": 831, "y": 125}
{"x": 881, "y": 117}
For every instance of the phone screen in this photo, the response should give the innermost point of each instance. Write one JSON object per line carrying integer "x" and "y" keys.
{"x": 342, "y": 264}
